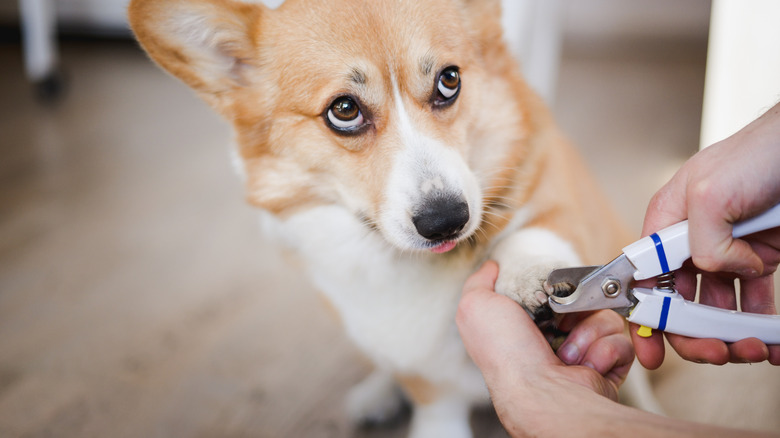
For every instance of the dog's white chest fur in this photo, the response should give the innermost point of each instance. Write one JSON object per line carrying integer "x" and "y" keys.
{"x": 398, "y": 308}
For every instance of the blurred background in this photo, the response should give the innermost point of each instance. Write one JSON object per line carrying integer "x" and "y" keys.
{"x": 137, "y": 294}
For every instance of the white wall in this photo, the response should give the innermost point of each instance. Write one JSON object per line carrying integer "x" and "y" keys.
{"x": 743, "y": 66}
{"x": 594, "y": 20}
{"x": 582, "y": 18}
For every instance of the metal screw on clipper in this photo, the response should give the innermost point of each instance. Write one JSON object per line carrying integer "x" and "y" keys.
{"x": 611, "y": 287}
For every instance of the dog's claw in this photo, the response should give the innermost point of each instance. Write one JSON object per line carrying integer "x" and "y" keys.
{"x": 560, "y": 289}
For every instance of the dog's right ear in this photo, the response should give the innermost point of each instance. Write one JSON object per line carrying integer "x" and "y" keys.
{"x": 208, "y": 44}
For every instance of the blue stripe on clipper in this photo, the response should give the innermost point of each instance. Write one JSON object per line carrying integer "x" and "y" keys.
{"x": 664, "y": 313}
{"x": 659, "y": 248}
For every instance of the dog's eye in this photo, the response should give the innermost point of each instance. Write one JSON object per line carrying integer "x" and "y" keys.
{"x": 344, "y": 114}
{"x": 448, "y": 85}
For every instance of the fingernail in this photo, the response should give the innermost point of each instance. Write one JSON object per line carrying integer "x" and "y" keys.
{"x": 569, "y": 354}
{"x": 589, "y": 365}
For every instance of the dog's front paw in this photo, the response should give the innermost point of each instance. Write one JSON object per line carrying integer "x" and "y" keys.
{"x": 527, "y": 285}
{"x": 525, "y": 259}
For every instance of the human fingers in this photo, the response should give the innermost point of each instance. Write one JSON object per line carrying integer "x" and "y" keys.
{"x": 596, "y": 353}
{"x": 729, "y": 182}
{"x": 595, "y": 326}
{"x": 476, "y": 304}
{"x": 599, "y": 342}
{"x": 668, "y": 206}
{"x": 497, "y": 333}
{"x": 483, "y": 280}
{"x": 748, "y": 350}
{"x": 757, "y": 295}
{"x": 700, "y": 200}
{"x": 718, "y": 291}
{"x": 712, "y": 216}
{"x": 649, "y": 350}
{"x": 774, "y": 354}
{"x": 612, "y": 356}
{"x": 712, "y": 351}
{"x": 767, "y": 245}
{"x": 717, "y": 352}
{"x": 686, "y": 281}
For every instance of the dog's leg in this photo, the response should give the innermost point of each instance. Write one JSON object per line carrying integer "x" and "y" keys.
{"x": 446, "y": 417}
{"x": 438, "y": 412}
{"x": 377, "y": 399}
{"x": 525, "y": 260}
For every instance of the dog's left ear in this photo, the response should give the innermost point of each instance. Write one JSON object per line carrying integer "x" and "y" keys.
{"x": 484, "y": 18}
{"x": 208, "y": 44}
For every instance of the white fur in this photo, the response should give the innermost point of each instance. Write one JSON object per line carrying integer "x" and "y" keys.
{"x": 447, "y": 418}
{"x": 204, "y": 40}
{"x": 398, "y": 303}
{"x": 525, "y": 259}
{"x": 194, "y": 31}
{"x": 400, "y": 314}
{"x": 399, "y": 308}
{"x": 239, "y": 165}
{"x": 423, "y": 165}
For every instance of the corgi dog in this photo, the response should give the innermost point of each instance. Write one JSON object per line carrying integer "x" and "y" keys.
{"x": 395, "y": 146}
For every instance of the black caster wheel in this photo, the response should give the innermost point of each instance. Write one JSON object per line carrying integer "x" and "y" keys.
{"x": 51, "y": 88}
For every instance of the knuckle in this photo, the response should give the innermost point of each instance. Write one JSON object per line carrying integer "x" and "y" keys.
{"x": 609, "y": 350}
{"x": 704, "y": 189}
{"x": 467, "y": 308}
{"x": 709, "y": 262}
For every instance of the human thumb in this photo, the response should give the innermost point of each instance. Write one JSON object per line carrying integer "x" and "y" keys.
{"x": 713, "y": 249}
{"x": 498, "y": 334}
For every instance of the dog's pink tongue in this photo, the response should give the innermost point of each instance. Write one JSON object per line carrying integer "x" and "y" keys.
{"x": 444, "y": 247}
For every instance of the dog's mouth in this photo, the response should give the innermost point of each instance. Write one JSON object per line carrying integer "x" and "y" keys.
{"x": 441, "y": 248}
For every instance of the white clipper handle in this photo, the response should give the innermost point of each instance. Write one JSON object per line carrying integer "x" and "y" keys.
{"x": 670, "y": 312}
{"x": 667, "y": 249}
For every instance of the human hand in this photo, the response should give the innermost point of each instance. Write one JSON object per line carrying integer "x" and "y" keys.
{"x": 726, "y": 183}
{"x": 527, "y": 381}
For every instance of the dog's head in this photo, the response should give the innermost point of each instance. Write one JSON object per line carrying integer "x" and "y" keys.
{"x": 407, "y": 113}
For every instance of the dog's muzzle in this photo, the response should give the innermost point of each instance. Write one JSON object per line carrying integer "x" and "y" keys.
{"x": 441, "y": 218}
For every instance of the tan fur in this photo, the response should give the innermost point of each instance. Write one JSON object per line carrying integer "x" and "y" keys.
{"x": 250, "y": 102}
{"x": 331, "y": 309}
{"x": 273, "y": 74}
{"x": 418, "y": 389}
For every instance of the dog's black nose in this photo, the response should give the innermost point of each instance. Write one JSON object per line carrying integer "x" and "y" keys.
{"x": 441, "y": 218}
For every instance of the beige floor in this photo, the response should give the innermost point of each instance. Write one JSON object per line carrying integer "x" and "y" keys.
{"x": 138, "y": 298}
